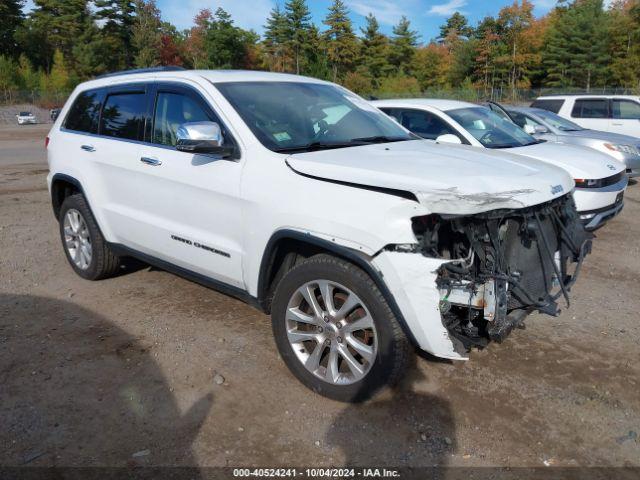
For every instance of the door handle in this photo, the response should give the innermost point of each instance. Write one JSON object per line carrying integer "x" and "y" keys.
{"x": 150, "y": 161}
{"x": 88, "y": 148}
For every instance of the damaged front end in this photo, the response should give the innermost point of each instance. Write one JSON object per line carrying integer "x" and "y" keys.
{"x": 501, "y": 265}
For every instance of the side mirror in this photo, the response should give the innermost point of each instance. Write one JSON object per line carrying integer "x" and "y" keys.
{"x": 449, "y": 138}
{"x": 201, "y": 137}
{"x": 528, "y": 128}
{"x": 541, "y": 129}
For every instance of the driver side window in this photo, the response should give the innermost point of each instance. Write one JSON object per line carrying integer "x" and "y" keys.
{"x": 172, "y": 110}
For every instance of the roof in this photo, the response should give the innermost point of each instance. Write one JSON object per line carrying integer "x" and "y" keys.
{"x": 214, "y": 76}
{"x": 423, "y": 102}
{"x": 586, "y": 95}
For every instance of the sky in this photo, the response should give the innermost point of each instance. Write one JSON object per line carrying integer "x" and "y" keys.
{"x": 426, "y": 16}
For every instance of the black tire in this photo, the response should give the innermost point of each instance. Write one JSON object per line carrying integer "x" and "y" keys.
{"x": 393, "y": 350}
{"x": 104, "y": 263}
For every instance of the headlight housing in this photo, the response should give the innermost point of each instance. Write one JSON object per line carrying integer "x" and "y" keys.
{"x": 629, "y": 149}
{"x": 599, "y": 182}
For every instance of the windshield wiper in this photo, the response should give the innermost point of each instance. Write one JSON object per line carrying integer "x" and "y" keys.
{"x": 314, "y": 146}
{"x": 380, "y": 139}
{"x": 354, "y": 142}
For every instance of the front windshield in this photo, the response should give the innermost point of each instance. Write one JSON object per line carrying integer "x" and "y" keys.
{"x": 291, "y": 116}
{"x": 490, "y": 129}
{"x": 556, "y": 121}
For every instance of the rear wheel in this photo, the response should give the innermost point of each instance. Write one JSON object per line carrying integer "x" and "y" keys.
{"x": 86, "y": 249}
{"x": 335, "y": 331}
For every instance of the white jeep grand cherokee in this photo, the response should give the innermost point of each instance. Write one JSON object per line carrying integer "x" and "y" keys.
{"x": 295, "y": 195}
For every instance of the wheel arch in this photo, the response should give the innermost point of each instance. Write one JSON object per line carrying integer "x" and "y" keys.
{"x": 63, "y": 186}
{"x": 286, "y": 246}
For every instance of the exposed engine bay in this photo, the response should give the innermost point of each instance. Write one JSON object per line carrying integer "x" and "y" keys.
{"x": 504, "y": 264}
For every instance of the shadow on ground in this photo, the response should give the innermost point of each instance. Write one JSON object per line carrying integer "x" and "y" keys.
{"x": 369, "y": 434}
{"x": 75, "y": 390}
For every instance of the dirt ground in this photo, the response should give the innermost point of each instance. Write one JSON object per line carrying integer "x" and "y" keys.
{"x": 121, "y": 372}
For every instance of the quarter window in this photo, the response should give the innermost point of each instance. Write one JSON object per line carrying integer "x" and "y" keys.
{"x": 625, "y": 109}
{"x": 590, "y": 108}
{"x": 123, "y": 115}
{"x": 172, "y": 110}
{"x": 84, "y": 113}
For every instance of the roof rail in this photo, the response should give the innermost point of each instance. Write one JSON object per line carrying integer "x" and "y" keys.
{"x": 170, "y": 68}
{"x": 585, "y": 94}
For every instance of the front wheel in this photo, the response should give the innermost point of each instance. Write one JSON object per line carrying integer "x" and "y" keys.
{"x": 335, "y": 330}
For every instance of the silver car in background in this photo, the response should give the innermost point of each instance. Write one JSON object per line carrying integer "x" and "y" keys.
{"x": 546, "y": 125}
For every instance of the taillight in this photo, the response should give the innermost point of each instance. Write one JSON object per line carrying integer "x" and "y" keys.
{"x": 46, "y": 141}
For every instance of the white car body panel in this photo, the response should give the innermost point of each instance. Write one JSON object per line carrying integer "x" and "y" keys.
{"x": 615, "y": 125}
{"x": 237, "y": 206}
{"x": 579, "y": 162}
{"x": 401, "y": 166}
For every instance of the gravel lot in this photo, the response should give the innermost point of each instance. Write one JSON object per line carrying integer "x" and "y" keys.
{"x": 121, "y": 372}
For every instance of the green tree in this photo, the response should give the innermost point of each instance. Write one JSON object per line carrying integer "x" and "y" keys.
{"x": 275, "y": 39}
{"x": 9, "y": 79}
{"x": 375, "y": 50}
{"x": 29, "y": 78}
{"x": 624, "y": 43}
{"x": 147, "y": 34}
{"x": 403, "y": 46}
{"x": 59, "y": 76}
{"x": 117, "y": 18}
{"x": 227, "y": 45}
{"x": 60, "y": 24}
{"x": 342, "y": 44}
{"x": 298, "y": 21}
{"x": 317, "y": 60}
{"x": 576, "y": 50}
{"x": 456, "y": 24}
{"x": 11, "y": 18}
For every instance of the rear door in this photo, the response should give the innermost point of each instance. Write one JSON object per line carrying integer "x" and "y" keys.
{"x": 592, "y": 113}
{"x": 189, "y": 204}
{"x": 114, "y": 152}
{"x": 625, "y": 116}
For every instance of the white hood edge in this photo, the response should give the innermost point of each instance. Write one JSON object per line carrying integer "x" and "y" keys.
{"x": 445, "y": 179}
{"x": 578, "y": 161}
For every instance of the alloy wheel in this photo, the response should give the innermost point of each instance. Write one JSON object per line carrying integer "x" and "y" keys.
{"x": 331, "y": 332}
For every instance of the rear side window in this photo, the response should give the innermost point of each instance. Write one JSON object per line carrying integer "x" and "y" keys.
{"x": 85, "y": 111}
{"x": 625, "y": 109}
{"x": 590, "y": 108}
{"x": 123, "y": 115}
{"x": 550, "y": 105}
{"x": 427, "y": 125}
{"x": 172, "y": 110}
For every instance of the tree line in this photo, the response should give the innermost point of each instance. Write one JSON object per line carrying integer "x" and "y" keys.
{"x": 579, "y": 44}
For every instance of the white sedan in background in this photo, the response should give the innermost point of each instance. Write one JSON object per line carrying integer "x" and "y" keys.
{"x": 600, "y": 180}
{"x": 25, "y": 118}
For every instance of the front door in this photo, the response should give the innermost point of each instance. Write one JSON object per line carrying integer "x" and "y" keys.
{"x": 190, "y": 203}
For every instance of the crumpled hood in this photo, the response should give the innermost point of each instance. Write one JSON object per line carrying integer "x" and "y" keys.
{"x": 610, "y": 137}
{"x": 453, "y": 179}
{"x": 578, "y": 161}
